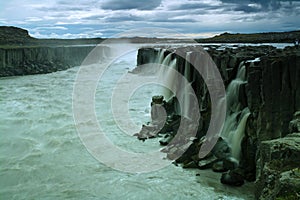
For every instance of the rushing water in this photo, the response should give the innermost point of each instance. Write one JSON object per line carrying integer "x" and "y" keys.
{"x": 42, "y": 156}
{"x": 236, "y": 119}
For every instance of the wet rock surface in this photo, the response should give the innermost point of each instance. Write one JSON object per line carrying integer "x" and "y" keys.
{"x": 271, "y": 91}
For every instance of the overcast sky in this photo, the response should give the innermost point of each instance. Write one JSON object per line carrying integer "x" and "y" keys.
{"x": 105, "y": 18}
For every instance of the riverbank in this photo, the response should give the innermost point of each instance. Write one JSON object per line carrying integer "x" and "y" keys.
{"x": 40, "y": 60}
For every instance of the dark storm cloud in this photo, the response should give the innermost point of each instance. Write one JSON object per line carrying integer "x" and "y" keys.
{"x": 123, "y": 18}
{"x": 66, "y": 5}
{"x": 243, "y": 5}
{"x": 62, "y": 8}
{"x": 247, "y": 8}
{"x": 173, "y": 20}
{"x": 193, "y": 6}
{"x": 104, "y": 18}
{"x": 94, "y": 17}
{"x": 78, "y": 2}
{"x": 252, "y": 19}
{"x": 126, "y": 5}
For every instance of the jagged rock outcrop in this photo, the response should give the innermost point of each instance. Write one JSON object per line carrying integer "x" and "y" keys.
{"x": 10, "y": 35}
{"x": 271, "y": 92}
{"x": 278, "y": 164}
{"x": 38, "y": 60}
{"x": 272, "y": 87}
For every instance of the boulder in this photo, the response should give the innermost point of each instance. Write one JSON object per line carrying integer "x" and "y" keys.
{"x": 278, "y": 159}
{"x": 294, "y": 125}
{"x": 233, "y": 178}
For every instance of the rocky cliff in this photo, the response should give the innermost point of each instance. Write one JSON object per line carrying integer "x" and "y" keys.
{"x": 38, "y": 60}
{"x": 272, "y": 89}
{"x": 14, "y": 36}
{"x": 270, "y": 92}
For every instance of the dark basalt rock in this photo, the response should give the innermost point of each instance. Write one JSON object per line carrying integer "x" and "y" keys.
{"x": 294, "y": 126}
{"x": 230, "y": 163}
{"x": 15, "y": 61}
{"x": 289, "y": 187}
{"x": 279, "y": 158}
{"x": 271, "y": 92}
{"x": 221, "y": 150}
{"x": 208, "y": 162}
{"x": 219, "y": 167}
{"x": 234, "y": 178}
{"x": 166, "y": 139}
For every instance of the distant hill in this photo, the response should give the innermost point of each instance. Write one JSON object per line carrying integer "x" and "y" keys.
{"x": 270, "y": 37}
{"x": 16, "y": 37}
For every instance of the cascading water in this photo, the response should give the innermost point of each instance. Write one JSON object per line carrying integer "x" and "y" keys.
{"x": 164, "y": 72}
{"x": 237, "y": 116}
{"x": 178, "y": 88}
{"x": 187, "y": 69}
{"x": 160, "y": 57}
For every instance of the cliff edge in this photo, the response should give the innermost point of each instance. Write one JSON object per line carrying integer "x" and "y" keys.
{"x": 10, "y": 35}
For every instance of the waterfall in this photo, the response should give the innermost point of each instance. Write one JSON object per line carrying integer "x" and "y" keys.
{"x": 237, "y": 114}
{"x": 161, "y": 55}
{"x": 187, "y": 97}
{"x": 236, "y": 117}
{"x": 187, "y": 67}
{"x": 238, "y": 134}
{"x": 166, "y": 61}
{"x": 233, "y": 89}
{"x": 166, "y": 74}
{"x": 178, "y": 88}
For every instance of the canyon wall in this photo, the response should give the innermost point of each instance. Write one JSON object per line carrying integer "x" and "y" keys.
{"x": 271, "y": 92}
{"x": 38, "y": 60}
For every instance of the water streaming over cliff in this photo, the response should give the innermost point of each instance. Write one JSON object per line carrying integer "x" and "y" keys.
{"x": 237, "y": 113}
{"x": 166, "y": 73}
{"x": 174, "y": 86}
{"x": 233, "y": 131}
{"x": 42, "y": 156}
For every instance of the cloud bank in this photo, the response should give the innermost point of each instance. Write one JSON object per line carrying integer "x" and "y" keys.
{"x": 105, "y": 18}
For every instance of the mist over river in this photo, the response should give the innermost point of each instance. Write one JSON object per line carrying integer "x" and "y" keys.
{"x": 42, "y": 156}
